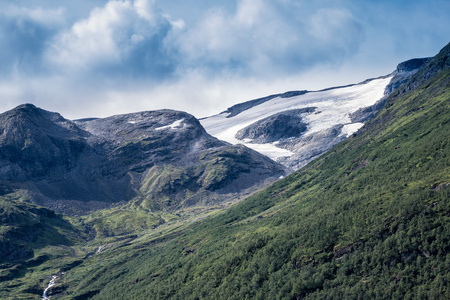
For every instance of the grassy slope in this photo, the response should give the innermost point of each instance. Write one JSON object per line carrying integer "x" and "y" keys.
{"x": 30, "y": 236}
{"x": 36, "y": 243}
{"x": 371, "y": 218}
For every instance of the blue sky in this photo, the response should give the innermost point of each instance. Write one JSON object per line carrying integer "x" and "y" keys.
{"x": 87, "y": 58}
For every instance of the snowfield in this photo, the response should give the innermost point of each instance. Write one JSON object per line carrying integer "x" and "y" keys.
{"x": 333, "y": 107}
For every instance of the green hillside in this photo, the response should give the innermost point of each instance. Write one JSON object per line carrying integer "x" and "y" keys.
{"x": 370, "y": 219}
{"x": 29, "y": 236}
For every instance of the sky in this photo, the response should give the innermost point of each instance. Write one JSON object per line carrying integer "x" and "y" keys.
{"x": 96, "y": 58}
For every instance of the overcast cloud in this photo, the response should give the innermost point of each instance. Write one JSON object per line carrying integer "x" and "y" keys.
{"x": 97, "y": 58}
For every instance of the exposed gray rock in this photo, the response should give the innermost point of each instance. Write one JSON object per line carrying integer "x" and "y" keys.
{"x": 404, "y": 72}
{"x": 432, "y": 66}
{"x": 160, "y": 158}
{"x": 307, "y": 148}
{"x": 280, "y": 126}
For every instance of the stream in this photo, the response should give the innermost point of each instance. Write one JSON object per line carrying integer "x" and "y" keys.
{"x": 50, "y": 284}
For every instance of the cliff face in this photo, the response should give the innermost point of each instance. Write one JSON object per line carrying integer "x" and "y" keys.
{"x": 159, "y": 158}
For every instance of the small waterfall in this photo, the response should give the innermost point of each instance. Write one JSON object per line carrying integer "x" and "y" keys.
{"x": 50, "y": 284}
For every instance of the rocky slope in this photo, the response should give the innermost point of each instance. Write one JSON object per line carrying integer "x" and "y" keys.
{"x": 160, "y": 160}
{"x": 295, "y": 127}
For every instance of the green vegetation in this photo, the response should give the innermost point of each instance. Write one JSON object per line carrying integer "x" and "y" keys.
{"x": 29, "y": 237}
{"x": 36, "y": 243}
{"x": 171, "y": 188}
{"x": 368, "y": 220}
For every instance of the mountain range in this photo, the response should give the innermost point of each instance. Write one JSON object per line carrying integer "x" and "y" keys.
{"x": 166, "y": 160}
{"x": 153, "y": 204}
{"x": 161, "y": 160}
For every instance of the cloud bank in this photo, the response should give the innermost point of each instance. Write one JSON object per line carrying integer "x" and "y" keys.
{"x": 110, "y": 57}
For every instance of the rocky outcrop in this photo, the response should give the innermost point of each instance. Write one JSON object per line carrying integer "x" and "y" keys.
{"x": 160, "y": 158}
{"x": 401, "y": 75}
{"x": 307, "y": 148}
{"x": 404, "y": 72}
{"x": 280, "y": 126}
{"x": 432, "y": 66}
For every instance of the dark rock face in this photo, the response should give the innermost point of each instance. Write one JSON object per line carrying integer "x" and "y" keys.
{"x": 365, "y": 114}
{"x": 140, "y": 140}
{"x": 412, "y": 64}
{"x": 277, "y": 127}
{"x": 404, "y": 72}
{"x": 430, "y": 68}
{"x": 50, "y": 156}
{"x": 440, "y": 62}
{"x": 77, "y": 166}
{"x": 36, "y": 142}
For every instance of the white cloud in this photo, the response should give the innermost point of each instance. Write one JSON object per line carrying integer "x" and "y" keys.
{"x": 100, "y": 57}
{"x": 335, "y": 26}
{"x": 269, "y": 37}
{"x": 122, "y": 36}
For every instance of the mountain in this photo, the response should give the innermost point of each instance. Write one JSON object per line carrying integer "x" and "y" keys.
{"x": 25, "y": 226}
{"x": 295, "y": 127}
{"x": 369, "y": 219}
{"x": 161, "y": 160}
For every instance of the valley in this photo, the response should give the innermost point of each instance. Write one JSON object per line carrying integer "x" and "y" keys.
{"x": 181, "y": 214}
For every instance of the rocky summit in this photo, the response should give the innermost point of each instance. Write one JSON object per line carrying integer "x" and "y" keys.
{"x": 163, "y": 160}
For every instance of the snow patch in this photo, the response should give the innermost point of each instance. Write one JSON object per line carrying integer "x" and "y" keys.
{"x": 350, "y": 129}
{"x": 270, "y": 150}
{"x": 174, "y": 125}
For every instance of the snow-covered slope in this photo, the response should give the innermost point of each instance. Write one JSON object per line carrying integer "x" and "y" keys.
{"x": 333, "y": 115}
{"x": 295, "y": 127}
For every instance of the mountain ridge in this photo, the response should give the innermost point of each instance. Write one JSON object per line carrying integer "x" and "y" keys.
{"x": 75, "y": 165}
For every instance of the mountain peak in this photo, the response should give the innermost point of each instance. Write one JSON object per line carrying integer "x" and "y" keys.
{"x": 430, "y": 68}
{"x": 26, "y": 106}
{"x": 412, "y": 64}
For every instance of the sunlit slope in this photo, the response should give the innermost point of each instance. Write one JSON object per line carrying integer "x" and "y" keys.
{"x": 371, "y": 219}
